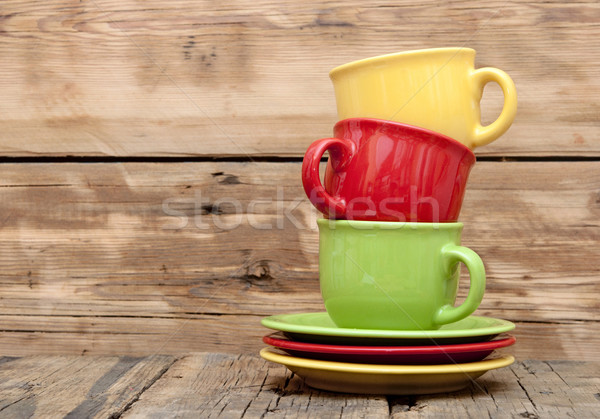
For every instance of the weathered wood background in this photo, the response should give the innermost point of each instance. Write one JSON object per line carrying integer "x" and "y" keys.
{"x": 150, "y": 153}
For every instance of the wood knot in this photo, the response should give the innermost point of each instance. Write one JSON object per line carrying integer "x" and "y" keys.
{"x": 211, "y": 209}
{"x": 258, "y": 272}
{"x": 226, "y": 179}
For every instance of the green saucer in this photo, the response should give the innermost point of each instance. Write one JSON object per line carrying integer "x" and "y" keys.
{"x": 319, "y": 328}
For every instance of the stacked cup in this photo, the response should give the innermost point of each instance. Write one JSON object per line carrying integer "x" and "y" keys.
{"x": 389, "y": 242}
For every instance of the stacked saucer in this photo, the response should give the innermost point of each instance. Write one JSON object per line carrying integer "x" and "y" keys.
{"x": 389, "y": 243}
{"x": 376, "y": 361}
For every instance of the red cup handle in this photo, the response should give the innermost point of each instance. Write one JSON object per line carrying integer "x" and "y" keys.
{"x": 340, "y": 153}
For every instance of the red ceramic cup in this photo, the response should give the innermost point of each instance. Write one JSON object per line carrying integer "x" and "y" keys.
{"x": 386, "y": 171}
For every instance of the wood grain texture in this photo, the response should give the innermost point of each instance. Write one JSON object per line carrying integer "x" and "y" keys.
{"x": 529, "y": 389}
{"x": 235, "y": 334}
{"x": 211, "y": 385}
{"x": 218, "y": 385}
{"x": 75, "y": 387}
{"x": 144, "y": 258}
{"x": 228, "y": 385}
{"x": 240, "y": 78}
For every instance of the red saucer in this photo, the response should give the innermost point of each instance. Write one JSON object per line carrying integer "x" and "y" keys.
{"x": 398, "y": 355}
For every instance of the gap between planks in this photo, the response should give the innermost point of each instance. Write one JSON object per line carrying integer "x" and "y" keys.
{"x": 261, "y": 159}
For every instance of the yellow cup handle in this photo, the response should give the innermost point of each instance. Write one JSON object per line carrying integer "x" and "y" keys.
{"x": 481, "y": 77}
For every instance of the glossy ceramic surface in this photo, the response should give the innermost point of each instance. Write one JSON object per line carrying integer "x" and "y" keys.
{"x": 385, "y": 171}
{"x": 407, "y": 355}
{"x": 438, "y": 89}
{"x": 399, "y": 276}
{"x": 319, "y": 328}
{"x": 385, "y": 379}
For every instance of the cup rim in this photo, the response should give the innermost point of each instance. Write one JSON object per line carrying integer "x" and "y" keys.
{"x": 373, "y": 60}
{"x": 400, "y": 125}
{"x": 390, "y": 225}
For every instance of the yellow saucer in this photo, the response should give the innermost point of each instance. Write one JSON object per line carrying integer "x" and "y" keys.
{"x": 385, "y": 379}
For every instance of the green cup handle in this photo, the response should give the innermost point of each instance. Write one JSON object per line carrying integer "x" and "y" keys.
{"x": 481, "y": 77}
{"x": 453, "y": 254}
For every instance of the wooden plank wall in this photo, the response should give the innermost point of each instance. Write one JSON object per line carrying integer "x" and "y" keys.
{"x": 150, "y": 153}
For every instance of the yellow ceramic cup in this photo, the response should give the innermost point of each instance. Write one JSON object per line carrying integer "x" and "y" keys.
{"x": 438, "y": 89}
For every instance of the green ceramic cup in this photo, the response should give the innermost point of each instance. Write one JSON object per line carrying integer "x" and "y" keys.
{"x": 390, "y": 275}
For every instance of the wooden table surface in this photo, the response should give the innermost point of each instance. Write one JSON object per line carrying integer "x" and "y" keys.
{"x": 211, "y": 385}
